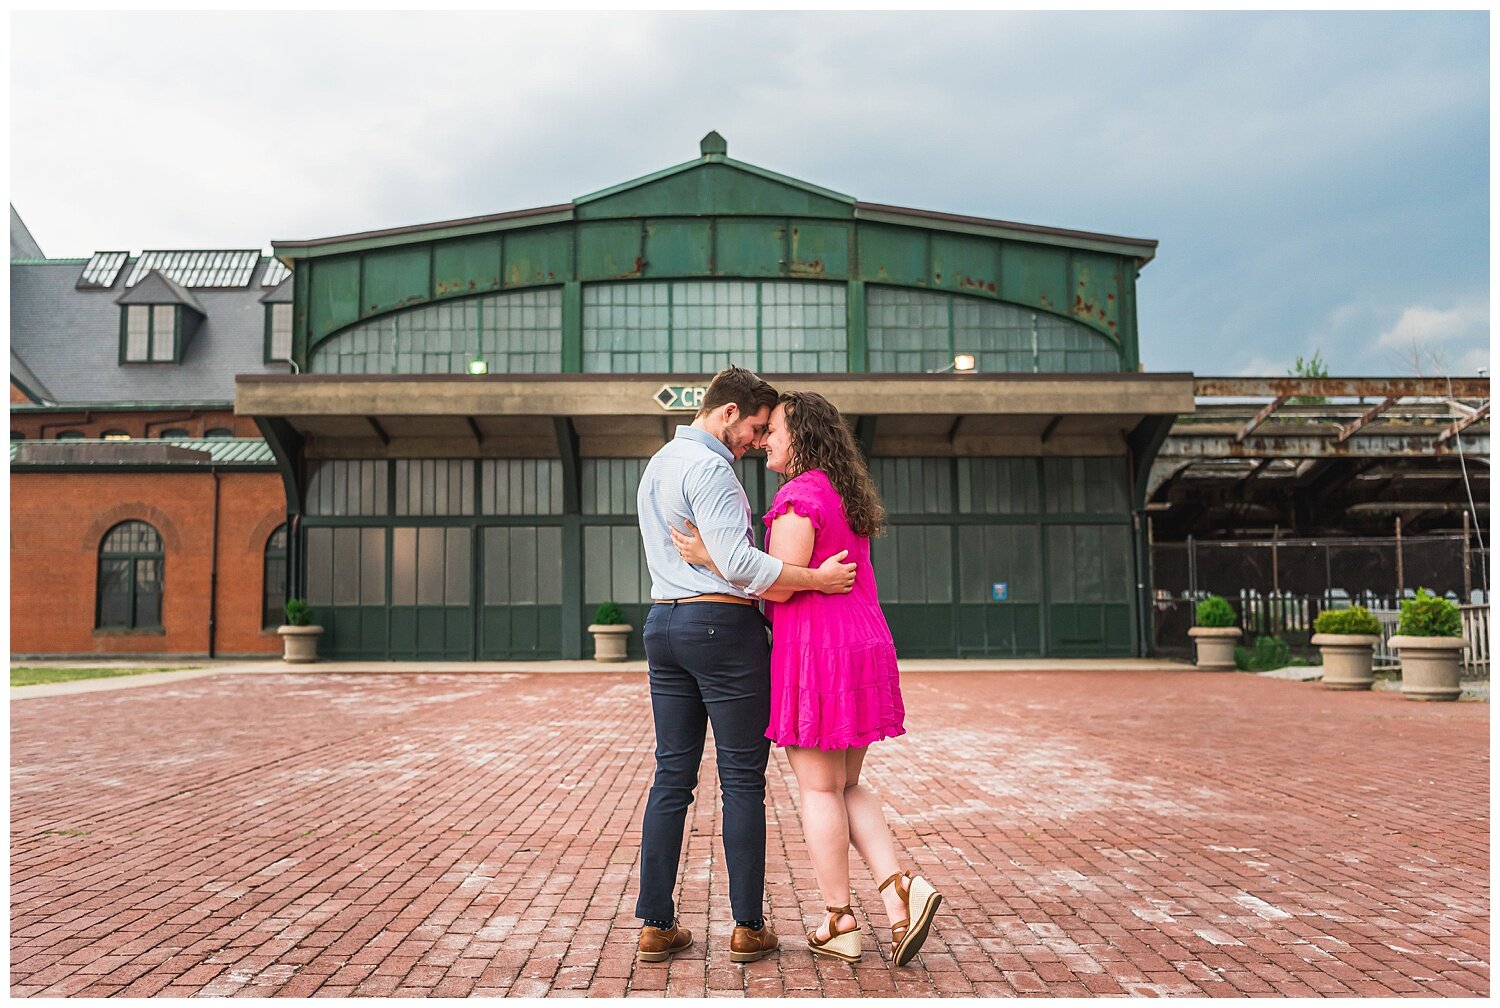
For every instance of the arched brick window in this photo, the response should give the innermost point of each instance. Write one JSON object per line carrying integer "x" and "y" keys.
{"x": 273, "y": 606}
{"x": 130, "y": 577}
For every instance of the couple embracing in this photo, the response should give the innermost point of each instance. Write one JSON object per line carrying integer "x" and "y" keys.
{"x": 824, "y": 687}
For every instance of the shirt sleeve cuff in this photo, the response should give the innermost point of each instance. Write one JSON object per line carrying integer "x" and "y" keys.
{"x": 768, "y": 578}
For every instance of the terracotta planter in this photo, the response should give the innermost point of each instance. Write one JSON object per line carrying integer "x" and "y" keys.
{"x": 299, "y": 643}
{"x": 1430, "y": 666}
{"x": 1348, "y": 660}
{"x": 1215, "y": 647}
{"x": 610, "y": 640}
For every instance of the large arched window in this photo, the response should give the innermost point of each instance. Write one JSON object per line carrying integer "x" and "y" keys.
{"x": 130, "y": 577}
{"x": 274, "y": 580}
{"x": 912, "y": 331}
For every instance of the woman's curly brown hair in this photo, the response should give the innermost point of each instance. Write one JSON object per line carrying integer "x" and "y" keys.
{"x": 821, "y": 441}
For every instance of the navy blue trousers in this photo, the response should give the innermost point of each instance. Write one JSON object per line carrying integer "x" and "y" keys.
{"x": 709, "y": 662}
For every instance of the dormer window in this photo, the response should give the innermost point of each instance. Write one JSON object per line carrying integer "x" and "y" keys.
{"x": 157, "y": 319}
{"x": 278, "y": 304}
{"x": 150, "y": 334}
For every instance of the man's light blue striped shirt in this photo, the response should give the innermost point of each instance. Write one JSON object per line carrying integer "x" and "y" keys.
{"x": 691, "y": 478}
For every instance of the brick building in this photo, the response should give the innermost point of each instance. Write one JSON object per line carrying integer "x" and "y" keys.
{"x": 146, "y": 517}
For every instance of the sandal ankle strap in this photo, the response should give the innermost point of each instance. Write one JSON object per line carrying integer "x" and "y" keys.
{"x": 901, "y": 890}
{"x": 840, "y": 911}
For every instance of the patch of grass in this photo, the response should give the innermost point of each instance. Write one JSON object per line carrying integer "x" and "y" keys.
{"x": 30, "y": 675}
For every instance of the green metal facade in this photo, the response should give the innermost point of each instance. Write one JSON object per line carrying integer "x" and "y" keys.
{"x": 713, "y": 221}
{"x": 679, "y": 273}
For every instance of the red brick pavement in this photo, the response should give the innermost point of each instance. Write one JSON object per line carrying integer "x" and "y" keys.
{"x": 1094, "y": 833}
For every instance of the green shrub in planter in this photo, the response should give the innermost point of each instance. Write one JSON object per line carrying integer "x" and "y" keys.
{"x": 608, "y": 614}
{"x": 298, "y": 612}
{"x": 1428, "y": 615}
{"x": 1354, "y": 620}
{"x": 1214, "y": 611}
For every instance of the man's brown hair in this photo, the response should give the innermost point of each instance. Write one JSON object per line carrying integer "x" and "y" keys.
{"x": 746, "y": 389}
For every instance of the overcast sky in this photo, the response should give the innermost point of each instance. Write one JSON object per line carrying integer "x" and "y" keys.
{"x": 1317, "y": 181}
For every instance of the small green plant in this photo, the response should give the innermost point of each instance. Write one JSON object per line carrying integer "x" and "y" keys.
{"x": 1429, "y": 615}
{"x": 1352, "y": 621}
{"x": 608, "y": 614}
{"x": 1215, "y": 612}
{"x": 1269, "y": 653}
{"x": 298, "y": 612}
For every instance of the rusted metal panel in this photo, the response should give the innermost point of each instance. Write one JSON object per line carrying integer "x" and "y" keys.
{"x": 466, "y": 266}
{"x": 677, "y": 247}
{"x": 892, "y": 255}
{"x": 817, "y": 249}
{"x": 965, "y": 265}
{"x": 333, "y": 294}
{"x": 1095, "y": 289}
{"x": 395, "y": 278}
{"x": 1036, "y": 276}
{"x": 611, "y": 251}
{"x": 1464, "y": 424}
{"x": 544, "y": 256}
{"x": 749, "y": 246}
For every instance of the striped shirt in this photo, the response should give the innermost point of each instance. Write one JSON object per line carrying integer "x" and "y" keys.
{"x": 691, "y": 478}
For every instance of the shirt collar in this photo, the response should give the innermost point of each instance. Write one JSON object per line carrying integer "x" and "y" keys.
{"x": 703, "y": 437}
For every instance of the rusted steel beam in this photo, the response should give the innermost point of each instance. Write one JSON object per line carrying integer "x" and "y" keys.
{"x": 1349, "y": 430}
{"x": 1464, "y": 424}
{"x": 1260, "y": 418}
{"x": 1304, "y": 446}
{"x": 1456, "y": 388}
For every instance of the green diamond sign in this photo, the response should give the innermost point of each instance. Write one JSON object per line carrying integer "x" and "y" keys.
{"x": 680, "y": 397}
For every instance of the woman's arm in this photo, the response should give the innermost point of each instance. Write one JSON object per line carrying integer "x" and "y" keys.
{"x": 790, "y": 538}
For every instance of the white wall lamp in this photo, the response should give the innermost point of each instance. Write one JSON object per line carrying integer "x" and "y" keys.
{"x": 479, "y": 367}
{"x": 962, "y": 363}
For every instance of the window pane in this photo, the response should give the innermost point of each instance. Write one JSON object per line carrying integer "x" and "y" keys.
{"x": 404, "y": 566}
{"x": 114, "y": 592}
{"x": 137, "y": 332}
{"x": 457, "y": 588}
{"x": 162, "y": 335}
{"x": 372, "y": 566}
{"x": 281, "y": 331}
{"x": 430, "y": 557}
{"x": 319, "y": 566}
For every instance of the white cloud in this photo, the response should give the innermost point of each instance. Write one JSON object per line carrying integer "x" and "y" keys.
{"x": 1423, "y": 326}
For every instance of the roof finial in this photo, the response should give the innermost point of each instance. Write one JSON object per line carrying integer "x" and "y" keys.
{"x": 713, "y": 145}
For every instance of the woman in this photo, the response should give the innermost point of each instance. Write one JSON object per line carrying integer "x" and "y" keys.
{"x": 834, "y": 684}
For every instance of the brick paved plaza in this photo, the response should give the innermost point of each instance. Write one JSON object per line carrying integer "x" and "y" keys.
{"x": 1093, "y": 832}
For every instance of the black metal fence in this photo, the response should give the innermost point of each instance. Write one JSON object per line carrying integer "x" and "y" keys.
{"x": 1278, "y": 587}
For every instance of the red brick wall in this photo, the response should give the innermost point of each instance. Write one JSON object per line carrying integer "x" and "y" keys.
{"x": 59, "y": 519}
{"x": 93, "y": 424}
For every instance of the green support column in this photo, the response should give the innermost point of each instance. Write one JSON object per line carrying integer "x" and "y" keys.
{"x": 572, "y": 326}
{"x": 572, "y": 540}
{"x": 858, "y": 344}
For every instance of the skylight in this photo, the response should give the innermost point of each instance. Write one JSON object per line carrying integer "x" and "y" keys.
{"x": 276, "y": 272}
{"x": 199, "y": 269}
{"x": 101, "y": 270}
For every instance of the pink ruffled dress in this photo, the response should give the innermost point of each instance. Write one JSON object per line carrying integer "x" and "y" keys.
{"x": 834, "y": 683}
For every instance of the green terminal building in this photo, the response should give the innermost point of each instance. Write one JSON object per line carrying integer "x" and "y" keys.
{"x": 472, "y": 403}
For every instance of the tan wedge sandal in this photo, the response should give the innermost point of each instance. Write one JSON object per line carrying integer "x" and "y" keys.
{"x": 922, "y": 901}
{"x": 845, "y": 945}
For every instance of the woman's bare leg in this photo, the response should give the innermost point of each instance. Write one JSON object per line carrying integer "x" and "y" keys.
{"x": 871, "y": 835}
{"x": 825, "y": 824}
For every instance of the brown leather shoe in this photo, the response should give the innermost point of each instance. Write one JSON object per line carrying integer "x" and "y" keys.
{"x": 747, "y": 946}
{"x": 658, "y": 945}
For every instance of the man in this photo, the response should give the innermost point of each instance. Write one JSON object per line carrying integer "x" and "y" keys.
{"x": 710, "y": 659}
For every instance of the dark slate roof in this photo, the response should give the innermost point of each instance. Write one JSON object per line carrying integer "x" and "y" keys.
{"x": 156, "y": 288}
{"x": 22, "y": 245}
{"x": 21, "y": 375}
{"x": 70, "y": 339}
{"x": 249, "y": 453}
